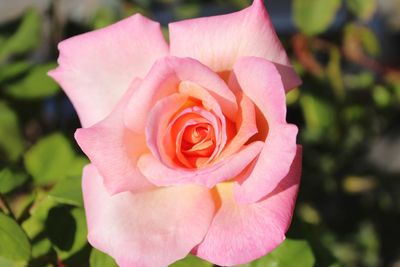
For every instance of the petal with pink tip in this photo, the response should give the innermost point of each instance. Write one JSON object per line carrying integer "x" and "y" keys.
{"x": 240, "y": 233}
{"x": 226, "y": 169}
{"x": 262, "y": 83}
{"x": 260, "y": 80}
{"x": 157, "y": 124}
{"x": 164, "y": 79}
{"x": 96, "y": 68}
{"x": 149, "y": 229}
{"x": 272, "y": 165}
{"x": 220, "y": 41}
{"x": 247, "y": 127}
{"x": 114, "y": 150}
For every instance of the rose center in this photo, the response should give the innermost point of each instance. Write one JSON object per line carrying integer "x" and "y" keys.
{"x": 193, "y": 136}
{"x": 198, "y": 140}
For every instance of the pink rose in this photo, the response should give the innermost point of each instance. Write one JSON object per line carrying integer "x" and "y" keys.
{"x": 189, "y": 146}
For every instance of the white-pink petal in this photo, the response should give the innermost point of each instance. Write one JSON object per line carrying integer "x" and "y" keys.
{"x": 262, "y": 83}
{"x": 220, "y": 41}
{"x": 96, "y": 68}
{"x": 272, "y": 165}
{"x": 149, "y": 229}
{"x": 241, "y": 233}
{"x": 114, "y": 150}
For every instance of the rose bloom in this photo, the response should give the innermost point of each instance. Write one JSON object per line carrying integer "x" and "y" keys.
{"x": 189, "y": 146}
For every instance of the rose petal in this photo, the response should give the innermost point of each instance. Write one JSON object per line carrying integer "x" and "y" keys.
{"x": 272, "y": 165}
{"x": 196, "y": 91}
{"x": 114, "y": 150}
{"x": 96, "y": 68}
{"x": 240, "y": 233}
{"x": 261, "y": 82}
{"x": 247, "y": 127}
{"x": 198, "y": 154}
{"x": 189, "y": 117}
{"x": 150, "y": 229}
{"x": 226, "y": 169}
{"x": 162, "y": 117}
{"x": 220, "y": 41}
{"x": 210, "y": 103}
{"x": 157, "y": 125}
{"x": 163, "y": 80}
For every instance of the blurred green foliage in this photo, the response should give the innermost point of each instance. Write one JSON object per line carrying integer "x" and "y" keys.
{"x": 11, "y": 140}
{"x": 348, "y": 210}
{"x": 313, "y": 16}
{"x": 291, "y": 253}
{"x": 25, "y": 38}
{"x": 15, "y": 245}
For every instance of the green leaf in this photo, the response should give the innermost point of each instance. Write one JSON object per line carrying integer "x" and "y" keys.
{"x": 185, "y": 11}
{"x": 12, "y": 70}
{"x": 25, "y": 38}
{"x": 369, "y": 240}
{"x": 41, "y": 247}
{"x": 103, "y": 18}
{"x": 10, "y": 180}
{"x": 363, "y": 9}
{"x": 14, "y": 244}
{"x": 291, "y": 253}
{"x": 36, "y": 84}
{"x": 68, "y": 191}
{"x": 308, "y": 213}
{"x": 190, "y": 261}
{"x": 319, "y": 116}
{"x": 35, "y": 224}
{"x": 369, "y": 41}
{"x": 77, "y": 165}
{"x": 314, "y": 16}
{"x": 72, "y": 224}
{"x": 100, "y": 259}
{"x": 293, "y": 96}
{"x": 240, "y": 4}
{"x": 359, "y": 39}
{"x": 362, "y": 80}
{"x": 49, "y": 160}
{"x": 381, "y": 96}
{"x": 10, "y": 263}
{"x": 396, "y": 88}
{"x": 80, "y": 239}
{"x": 11, "y": 141}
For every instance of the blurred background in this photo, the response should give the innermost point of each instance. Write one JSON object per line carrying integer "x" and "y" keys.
{"x": 348, "y": 110}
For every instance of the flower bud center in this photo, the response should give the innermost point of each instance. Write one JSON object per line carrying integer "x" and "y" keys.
{"x": 198, "y": 140}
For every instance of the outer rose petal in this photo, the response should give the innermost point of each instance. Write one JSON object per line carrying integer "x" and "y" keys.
{"x": 220, "y": 41}
{"x": 96, "y": 68}
{"x": 262, "y": 83}
{"x": 241, "y": 233}
{"x": 114, "y": 150}
{"x": 151, "y": 229}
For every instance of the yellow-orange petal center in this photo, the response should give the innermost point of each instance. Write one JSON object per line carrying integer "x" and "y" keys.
{"x": 198, "y": 140}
